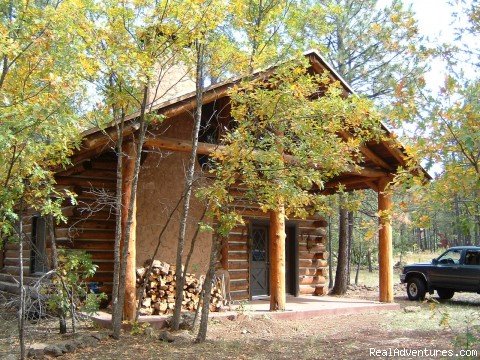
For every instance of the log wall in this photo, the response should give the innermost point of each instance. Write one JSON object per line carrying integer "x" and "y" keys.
{"x": 312, "y": 252}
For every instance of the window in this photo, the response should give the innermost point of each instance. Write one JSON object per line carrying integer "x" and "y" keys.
{"x": 38, "y": 254}
{"x": 472, "y": 257}
{"x": 451, "y": 257}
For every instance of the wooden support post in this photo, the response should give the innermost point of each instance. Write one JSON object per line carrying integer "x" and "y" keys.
{"x": 277, "y": 259}
{"x": 129, "y": 308}
{"x": 385, "y": 251}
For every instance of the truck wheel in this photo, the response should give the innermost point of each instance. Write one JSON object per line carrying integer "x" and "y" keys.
{"x": 416, "y": 289}
{"x": 445, "y": 294}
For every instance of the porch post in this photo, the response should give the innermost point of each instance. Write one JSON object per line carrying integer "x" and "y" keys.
{"x": 277, "y": 258}
{"x": 385, "y": 251}
{"x": 129, "y": 308}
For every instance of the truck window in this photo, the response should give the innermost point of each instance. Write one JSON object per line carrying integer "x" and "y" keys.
{"x": 472, "y": 257}
{"x": 450, "y": 257}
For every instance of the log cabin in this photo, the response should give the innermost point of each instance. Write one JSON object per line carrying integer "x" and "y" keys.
{"x": 246, "y": 255}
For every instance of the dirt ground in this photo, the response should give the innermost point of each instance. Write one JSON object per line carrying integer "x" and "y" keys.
{"x": 441, "y": 326}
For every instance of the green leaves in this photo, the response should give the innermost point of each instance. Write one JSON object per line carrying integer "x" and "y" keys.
{"x": 285, "y": 144}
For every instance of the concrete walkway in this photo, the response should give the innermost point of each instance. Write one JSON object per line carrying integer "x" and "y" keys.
{"x": 302, "y": 307}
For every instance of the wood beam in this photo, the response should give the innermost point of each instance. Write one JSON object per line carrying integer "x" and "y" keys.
{"x": 277, "y": 259}
{"x": 129, "y": 308}
{"x": 171, "y": 144}
{"x": 385, "y": 249}
{"x": 369, "y": 154}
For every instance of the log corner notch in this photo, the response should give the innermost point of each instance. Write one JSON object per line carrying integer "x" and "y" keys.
{"x": 385, "y": 248}
{"x": 130, "y": 305}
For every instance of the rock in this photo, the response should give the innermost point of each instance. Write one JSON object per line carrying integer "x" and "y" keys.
{"x": 412, "y": 309}
{"x": 36, "y": 351}
{"x": 53, "y": 350}
{"x": 150, "y": 332}
{"x": 99, "y": 336}
{"x": 70, "y": 346}
{"x": 245, "y": 331}
{"x": 62, "y": 347}
{"x": 166, "y": 337}
{"x": 89, "y": 340}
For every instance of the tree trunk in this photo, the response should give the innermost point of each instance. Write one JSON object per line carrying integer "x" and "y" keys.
{"x": 207, "y": 288}
{"x": 116, "y": 313}
{"x": 62, "y": 322}
{"x": 350, "y": 244}
{"x": 358, "y": 264}
{"x": 129, "y": 232}
{"x": 369, "y": 259}
{"x": 21, "y": 309}
{"x": 340, "y": 286}
{"x": 199, "y": 88}
{"x": 127, "y": 280}
{"x": 277, "y": 258}
{"x": 330, "y": 262}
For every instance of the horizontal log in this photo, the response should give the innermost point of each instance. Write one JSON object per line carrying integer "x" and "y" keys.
{"x": 238, "y": 256}
{"x": 15, "y": 270}
{"x": 312, "y": 280}
{"x": 313, "y": 271}
{"x": 237, "y": 247}
{"x": 321, "y": 290}
{"x": 312, "y": 263}
{"x": 306, "y": 289}
{"x": 15, "y": 246}
{"x": 239, "y": 275}
{"x": 316, "y": 248}
{"x": 240, "y": 295}
{"x": 81, "y": 223}
{"x": 15, "y": 261}
{"x": 323, "y": 256}
{"x": 102, "y": 277}
{"x": 104, "y": 165}
{"x": 80, "y": 233}
{"x": 238, "y": 265}
{"x": 238, "y": 285}
{"x": 92, "y": 245}
{"x": 104, "y": 266}
{"x": 251, "y": 213}
{"x": 101, "y": 255}
{"x": 15, "y": 253}
{"x": 88, "y": 183}
{"x": 233, "y": 238}
{"x": 97, "y": 174}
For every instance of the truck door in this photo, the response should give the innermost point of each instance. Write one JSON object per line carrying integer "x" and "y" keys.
{"x": 470, "y": 271}
{"x": 445, "y": 272}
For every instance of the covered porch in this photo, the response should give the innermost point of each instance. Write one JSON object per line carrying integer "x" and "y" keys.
{"x": 297, "y": 308}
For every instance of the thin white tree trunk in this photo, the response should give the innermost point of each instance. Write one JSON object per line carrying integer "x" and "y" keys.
{"x": 200, "y": 48}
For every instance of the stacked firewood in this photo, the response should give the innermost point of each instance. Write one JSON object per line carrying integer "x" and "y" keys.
{"x": 159, "y": 295}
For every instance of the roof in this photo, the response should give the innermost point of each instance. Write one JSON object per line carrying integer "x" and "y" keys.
{"x": 466, "y": 247}
{"x": 388, "y": 154}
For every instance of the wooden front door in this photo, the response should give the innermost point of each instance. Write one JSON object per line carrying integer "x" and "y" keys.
{"x": 259, "y": 284}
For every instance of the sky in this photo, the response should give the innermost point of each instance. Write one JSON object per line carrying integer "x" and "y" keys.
{"x": 434, "y": 21}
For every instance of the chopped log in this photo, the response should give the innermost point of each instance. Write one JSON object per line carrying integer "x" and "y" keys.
{"x": 159, "y": 298}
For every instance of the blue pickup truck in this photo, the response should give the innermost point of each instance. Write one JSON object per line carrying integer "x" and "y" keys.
{"x": 457, "y": 269}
